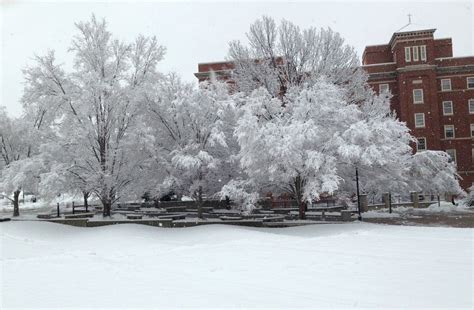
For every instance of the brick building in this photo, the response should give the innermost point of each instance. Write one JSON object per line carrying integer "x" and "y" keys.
{"x": 433, "y": 92}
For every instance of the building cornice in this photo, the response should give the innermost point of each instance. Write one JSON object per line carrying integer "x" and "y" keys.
{"x": 379, "y": 64}
{"x": 382, "y": 75}
{"x": 219, "y": 73}
{"x": 455, "y": 69}
{"x": 416, "y": 68}
{"x": 409, "y": 34}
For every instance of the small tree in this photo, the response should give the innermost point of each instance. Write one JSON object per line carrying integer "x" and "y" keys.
{"x": 192, "y": 135}
{"x": 17, "y": 176}
{"x": 16, "y": 147}
{"x": 433, "y": 171}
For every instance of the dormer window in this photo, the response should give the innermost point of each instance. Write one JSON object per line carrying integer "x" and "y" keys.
{"x": 407, "y": 54}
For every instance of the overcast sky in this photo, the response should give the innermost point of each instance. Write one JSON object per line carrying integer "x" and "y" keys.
{"x": 196, "y": 32}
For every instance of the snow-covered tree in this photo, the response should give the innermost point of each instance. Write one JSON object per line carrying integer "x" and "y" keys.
{"x": 18, "y": 143}
{"x": 378, "y": 145}
{"x": 294, "y": 147}
{"x": 433, "y": 171}
{"x": 95, "y": 106}
{"x": 62, "y": 173}
{"x": 193, "y": 129}
{"x": 312, "y": 142}
{"x": 469, "y": 200}
{"x": 278, "y": 57}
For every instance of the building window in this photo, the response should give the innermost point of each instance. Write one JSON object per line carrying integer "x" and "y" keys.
{"x": 452, "y": 155}
{"x": 419, "y": 120}
{"x": 449, "y": 131}
{"x": 423, "y": 52}
{"x": 447, "y": 108}
{"x": 418, "y": 96}
{"x": 446, "y": 84}
{"x": 471, "y": 106}
{"x": 472, "y": 130}
{"x": 383, "y": 88}
{"x": 407, "y": 54}
{"x": 421, "y": 144}
{"x": 415, "y": 53}
{"x": 470, "y": 82}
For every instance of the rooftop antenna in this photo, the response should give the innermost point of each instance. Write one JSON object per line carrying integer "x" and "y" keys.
{"x": 409, "y": 23}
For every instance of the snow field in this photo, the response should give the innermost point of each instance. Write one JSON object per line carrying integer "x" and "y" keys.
{"x": 349, "y": 265}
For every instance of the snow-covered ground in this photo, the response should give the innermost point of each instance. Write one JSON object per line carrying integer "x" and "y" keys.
{"x": 345, "y": 265}
{"x": 442, "y": 208}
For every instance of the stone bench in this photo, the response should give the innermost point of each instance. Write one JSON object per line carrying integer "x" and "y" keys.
{"x": 265, "y": 212}
{"x": 273, "y": 219}
{"x": 230, "y": 218}
{"x": 284, "y": 210}
{"x": 78, "y": 216}
{"x": 134, "y": 216}
{"x": 346, "y": 215}
{"x": 172, "y": 217}
{"x": 45, "y": 216}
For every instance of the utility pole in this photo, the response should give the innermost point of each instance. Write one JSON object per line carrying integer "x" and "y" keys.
{"x": 358, "y": 197}
{"x": 390, "y": 202}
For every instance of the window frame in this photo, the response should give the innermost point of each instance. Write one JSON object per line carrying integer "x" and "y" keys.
{"x": 422, "y": 96}
{"x": 452, "y": 108}
{"x": 469, "y": 102}
{"x": 454, "y": 131}
{"x": 455, "y": 155}
{"x": 423, "y": 52}
{"x": 450, "y": 86}
{"x": 467, "y": 82}
{"x": 418, "y": 143}
{"x": 407, "y": 54}
{"x": 424, "y": 122}
{"x": 415, "y": 53}
{"x": 383, "y": 84}
{"x": 472, "y": 130}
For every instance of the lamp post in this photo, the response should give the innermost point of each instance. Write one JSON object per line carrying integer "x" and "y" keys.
{"x": 358, "y": 197}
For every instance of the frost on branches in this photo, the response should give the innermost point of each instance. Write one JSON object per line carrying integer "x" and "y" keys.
{"x": 193, "y": 130}
{"x": 95, "y": 107}
{"x": 433, "y": 171}
{"x": 282, "y": 56}
{"x": 293, "y": 147}
{"x": 300, "y": 120}
{"x": 18, "y": 170}
{"x": 311, "y": 143}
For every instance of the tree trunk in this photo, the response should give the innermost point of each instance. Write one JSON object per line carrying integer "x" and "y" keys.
{"x": 302, "y": 210}
{"x": 200, "y": 202}
{"x": 107, "y": 204}
{"x": 298, "y": 184}
{"x": 85, "y": 195}
{"x": 16, "y": 205}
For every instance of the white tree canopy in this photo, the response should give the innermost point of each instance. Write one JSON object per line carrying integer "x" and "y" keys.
{"x": 95, "y": 106}
{"x": 193, "y": 136}
{"x": 278, "y": 57}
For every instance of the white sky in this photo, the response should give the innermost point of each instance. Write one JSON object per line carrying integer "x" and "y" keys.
{"x": 196, "y": 32}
